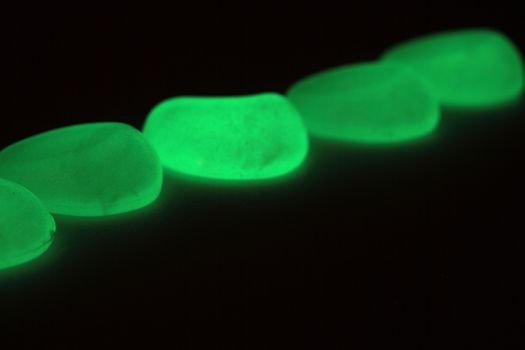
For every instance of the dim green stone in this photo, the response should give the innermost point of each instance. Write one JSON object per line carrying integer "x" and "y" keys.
{"x": 466, "y": 68}
{"x": 26, "y": 227}
{"x": 367, "y": 103}
{"x": 86, "y": 170}
{"x": 233, "y": 138}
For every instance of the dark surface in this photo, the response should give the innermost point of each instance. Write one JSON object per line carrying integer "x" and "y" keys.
{"x": 413, "y": 245}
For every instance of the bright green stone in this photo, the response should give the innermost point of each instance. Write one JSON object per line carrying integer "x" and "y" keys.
{"x": 26, "y": 228}
{"x": 235, "y": 138}
{"x": 86, "y": 170}
{"x": 465, "y": 68}
{"x": 367, "y": 102}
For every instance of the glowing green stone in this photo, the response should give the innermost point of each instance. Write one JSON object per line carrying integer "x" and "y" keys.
{"x": 26, "y": 228}
{"x": 86, "y": 170}
{"x": 247, "y": 137}
{"x": 466, "y": 68}
{"x": 367, "y": 102}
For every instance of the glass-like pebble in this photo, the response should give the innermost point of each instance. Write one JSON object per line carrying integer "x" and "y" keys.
{"x": 86, "y": 170}
{"x": 230, "y": 138}
{"x": 465, "y": 68}
{"x": 26, "y": 227}
{"x": 366, "y": 103}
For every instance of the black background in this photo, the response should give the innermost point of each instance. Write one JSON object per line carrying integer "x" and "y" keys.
{"x": 414, "y": 245}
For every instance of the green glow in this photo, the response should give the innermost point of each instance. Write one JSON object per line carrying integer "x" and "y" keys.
{"x": 367, "y": 102}
{"x": 26, "y": 228}
{"x": 236, "y": 138}
{"x": 466, "y": 68}
{"x": 86, "y": 170}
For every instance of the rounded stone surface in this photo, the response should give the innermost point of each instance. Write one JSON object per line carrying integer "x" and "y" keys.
{"x": 366, "y": 103}
{"x": 230, "y": 138}
{"x": 465, "y": 68}
{"x": 26, "y": 227}
{"x": 86, "y": 170}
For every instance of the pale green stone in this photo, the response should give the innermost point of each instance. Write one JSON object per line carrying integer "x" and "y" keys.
{"x": 465, "y": 68}
{"x": 86, "y": 170}
{"x": 231, "y": 138}
{"x": 366, "y": 103}
{"x": 26, "y": 227}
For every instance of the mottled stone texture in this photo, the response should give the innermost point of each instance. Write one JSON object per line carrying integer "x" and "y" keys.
{"x": 233, "y": 138}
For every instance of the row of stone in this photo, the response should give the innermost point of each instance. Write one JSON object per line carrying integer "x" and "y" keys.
{"x": 109, "y": 168}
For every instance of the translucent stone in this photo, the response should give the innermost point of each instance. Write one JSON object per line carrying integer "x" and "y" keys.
{"x": 465, "y": 68}
{"x": 367, "y": 102}
{"x": 86, "y": 170}
{"x": 234, "y": 138}
{"x": 26, "y": 227}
